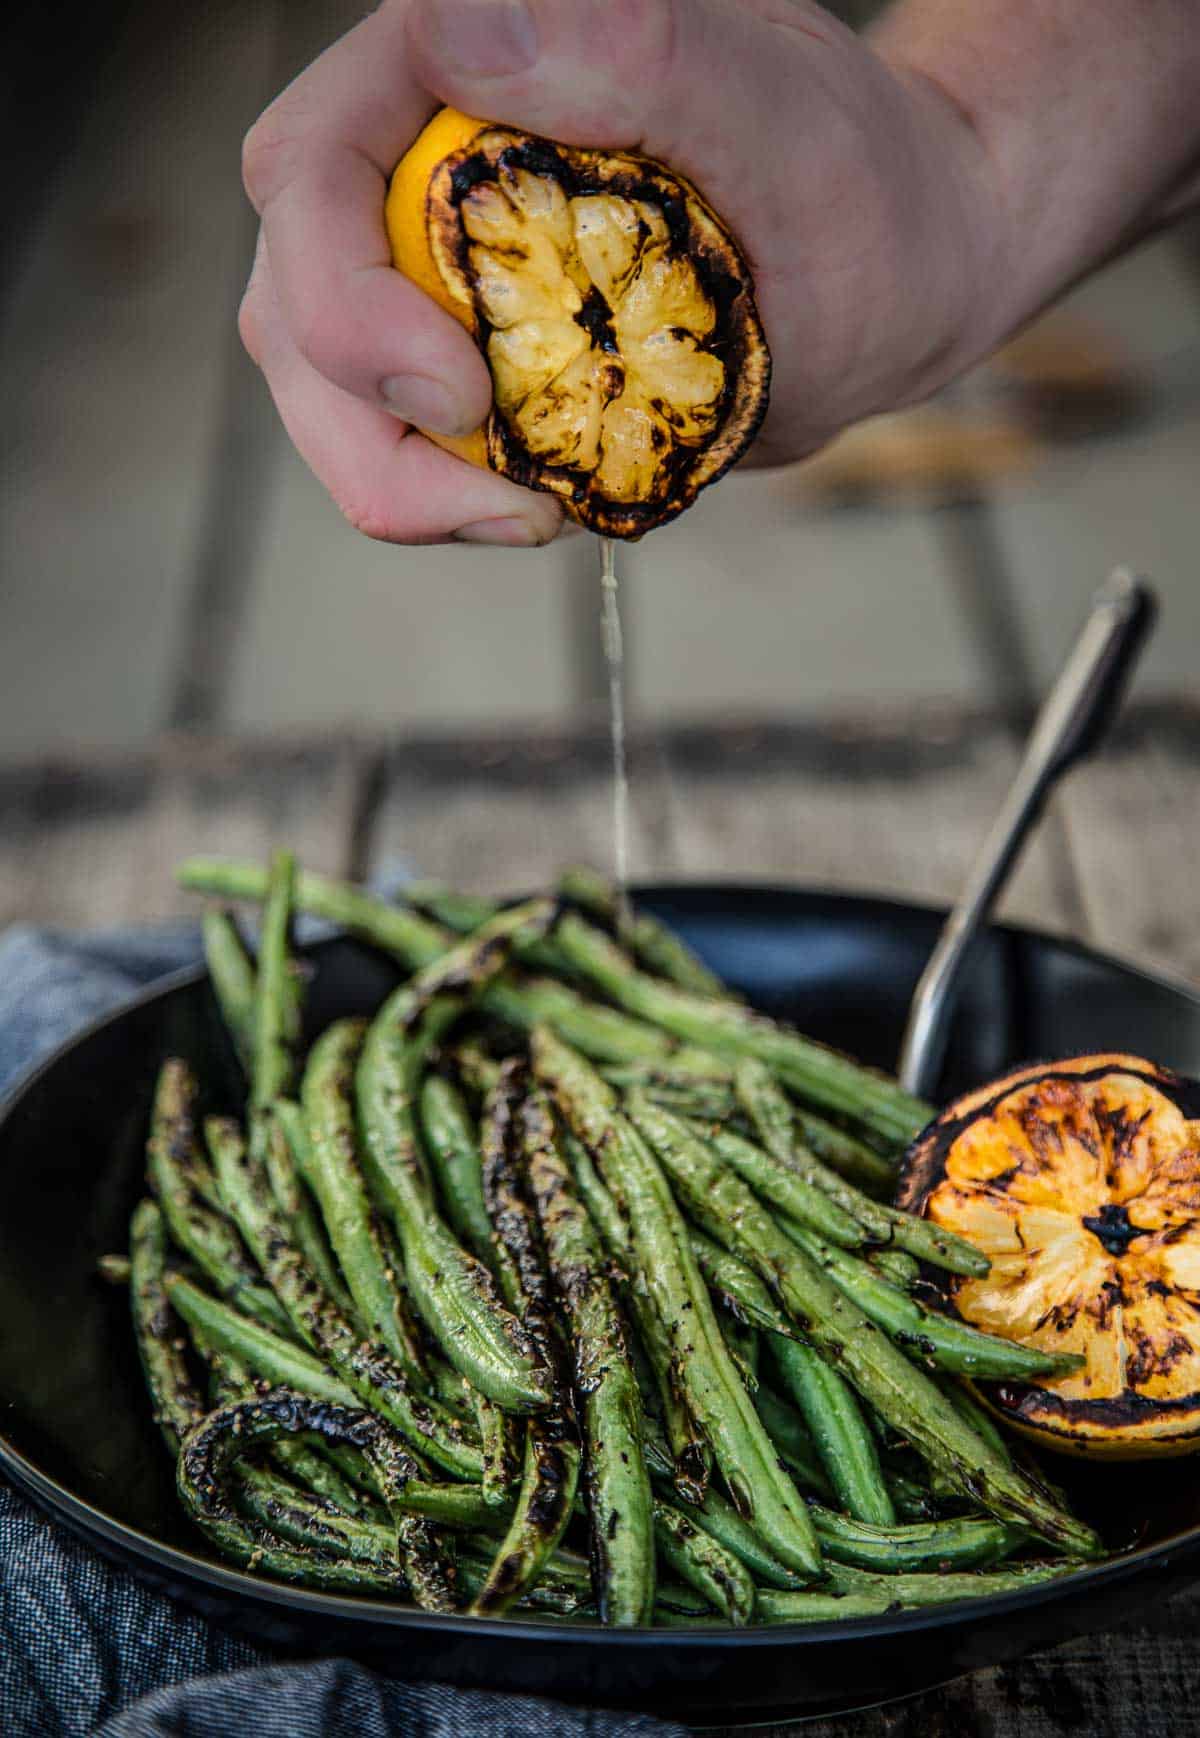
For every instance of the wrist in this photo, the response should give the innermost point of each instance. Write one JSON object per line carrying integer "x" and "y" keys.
{"x": 1084, "y": 123}
{"x": 965, "y": 224}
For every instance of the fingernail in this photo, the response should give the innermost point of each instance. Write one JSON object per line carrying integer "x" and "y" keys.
{"x": 513, "y": 532}
{"x": 489, "y": 37}
{"x": 425, "y": 402}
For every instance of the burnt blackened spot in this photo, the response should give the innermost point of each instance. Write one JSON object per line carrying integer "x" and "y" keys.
{"x": 919, "y": 1343}
{"x": 1111, "y": 1226}
{"x": 469, "y": 174}
{"x": 596, "y": 318}
{"x": 614, "y": 1522}
{"x": 1109, "y": 1298}
{"x": 541, "y": 157}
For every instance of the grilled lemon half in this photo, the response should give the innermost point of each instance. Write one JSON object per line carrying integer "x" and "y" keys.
{"x": 1081, "y": 1181}
{"x": 614, "y": 309}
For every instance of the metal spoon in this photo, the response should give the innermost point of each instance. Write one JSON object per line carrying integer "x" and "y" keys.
{"x": 1072, "y": 722}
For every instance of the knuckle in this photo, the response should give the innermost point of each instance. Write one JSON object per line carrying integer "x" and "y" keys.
{"x": 249, "y": 322}
{"x": 644, "y": 35}
{"x": 269, "y": 153}
{"x": 369, "y": 520}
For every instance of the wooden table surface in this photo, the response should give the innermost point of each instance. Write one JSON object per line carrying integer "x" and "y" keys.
{"x": 894, "y": 804}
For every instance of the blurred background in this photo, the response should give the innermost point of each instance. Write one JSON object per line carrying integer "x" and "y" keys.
{"x": 170, "y": 573}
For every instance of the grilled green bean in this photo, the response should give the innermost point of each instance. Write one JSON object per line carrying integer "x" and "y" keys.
{"x": 936, "y": 1545}
{"x": 453, "y": 1292}
{"x": 208, "y": 1455}
{"x": 805, "y": 1199}
{"x": 604, "y": 1034}
{"x": 777, "y": 1607}
{"x": 771, "y": 1115}
{"x": 376, "y": 1378}
{"x": 477, "y": 1071}
{"x": 658, "y": 948}
{"x": 741, "y": 1343}
{"x": 460, "y": 1507}
{"x": 690, "y": 1454}
{"x": 722, "y": 1522}
{"x": 563, "y": 1586}
{"x": 716, "y": 1396}
{"x": 924, "y": 1588}
{"x": 280, "y": 1362}
{"x": 606, "y": 1394}
{"x": 291, "y": 1118}
{"x": 336, "y": 1180}
{"x": 707, "y": 1101}
{"x": 302, "y": 1518}
{"x": 552, "y": 1446}
{"x": 231, "y": 973}
{"x": 823, "y": 1076}
{"x": 841, "y": 1435}
{"x": 591, "y": 1028}
{"x": 790, "y": 1439}
{"x": 316, "y": 1469}
{"x": 976, "y": 1416}
{"x": 277, "y": 1002}
{"x": 897, "y": 1266}
{"x": 704, "y": 1564}
{"x": 301, "y": 1216}
{"x": 913, "y": 1500}
{"x": 501, "y": 1449}
{"x": 739, "y": 1287}
{"x": 850, "y": 1158}
{"x": 175, "y": 1401}
{"x": 452, "y": 1147}
{"x": 942, "y": 1341}
{"x": 395, "y": 928}
{"x": 461, "y": 912}
{"x": 900, "y": 1392}
{"x": 173, "y": 1163}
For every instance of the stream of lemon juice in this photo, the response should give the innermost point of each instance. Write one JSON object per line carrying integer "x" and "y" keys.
{"x": 614, "y": 660}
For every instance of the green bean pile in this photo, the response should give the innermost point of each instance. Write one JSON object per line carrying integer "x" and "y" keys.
{"x": 563, "y": 1285}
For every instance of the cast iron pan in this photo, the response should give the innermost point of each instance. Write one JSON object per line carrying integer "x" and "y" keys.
{"x": 75, "y": 1428}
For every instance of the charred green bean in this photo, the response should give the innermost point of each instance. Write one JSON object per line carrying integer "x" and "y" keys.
{"x": 606, "y": 1394}
{"x": 176, "y": 1403}
{"x": 824, "y": 1076}
{"x": 703, "y": 1563}
{"x": 374, "y": 1375}
{"x": 938, "y": 1339}
{"x": 552, "y": 1445}
{"x": 231, "y": 973}
{"x": 715, "y": 1394}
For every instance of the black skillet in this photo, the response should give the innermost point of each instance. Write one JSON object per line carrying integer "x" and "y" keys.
{"x": 75, "y": 1427}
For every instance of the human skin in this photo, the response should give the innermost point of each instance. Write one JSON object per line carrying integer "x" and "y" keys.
{"x": 906, "y": 200}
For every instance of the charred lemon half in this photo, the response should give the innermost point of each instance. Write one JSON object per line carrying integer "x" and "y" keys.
{"x": 616, "y": 313}
{"x": 1081, "y": 1181}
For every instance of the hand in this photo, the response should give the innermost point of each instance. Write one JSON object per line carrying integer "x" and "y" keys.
{"x": 859, "y": 195}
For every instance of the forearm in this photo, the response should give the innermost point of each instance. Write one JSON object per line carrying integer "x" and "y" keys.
{"x": 1088, "y": 115}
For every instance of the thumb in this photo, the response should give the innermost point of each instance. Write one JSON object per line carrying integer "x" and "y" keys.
{"x": 580, "y": 71}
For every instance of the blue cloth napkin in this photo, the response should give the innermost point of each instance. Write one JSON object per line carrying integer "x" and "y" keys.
{"x": 85, "y": 1648}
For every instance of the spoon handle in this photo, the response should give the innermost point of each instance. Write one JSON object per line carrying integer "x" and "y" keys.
{"x": 1072, "y": 722}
